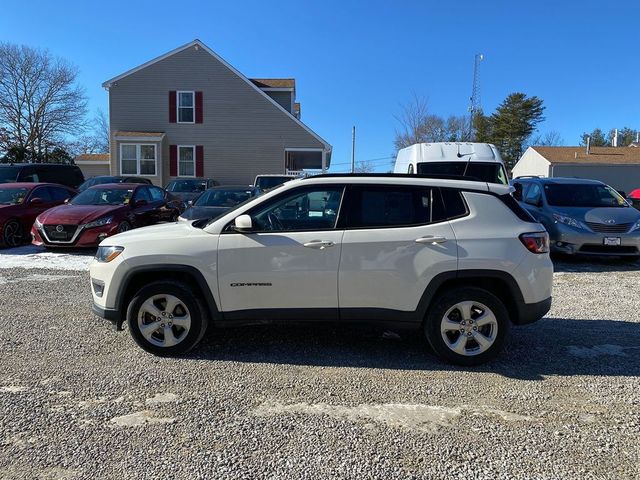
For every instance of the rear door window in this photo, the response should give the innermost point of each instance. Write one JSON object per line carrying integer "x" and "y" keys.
{"x": 386, "y": 206}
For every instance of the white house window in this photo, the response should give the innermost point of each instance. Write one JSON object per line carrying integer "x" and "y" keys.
{"x": 138, "y": 159}
{"x": 186, "y": 107}
{"x": 186, "y": 161}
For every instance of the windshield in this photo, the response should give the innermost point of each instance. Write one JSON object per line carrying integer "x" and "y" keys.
{"x": 9, "y": 174}
{"x": 103, "y": 196}
{"x": 266, "y": 183}
{"x": 485, "y": 171}
{"x": 187, "y": 186}
{"x": 222, "y": 198}
{"x": 13, "y": 196}
{"x": 583, "y": 195}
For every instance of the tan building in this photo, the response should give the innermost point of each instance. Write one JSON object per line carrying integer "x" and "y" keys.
{"x": 93, "y": 164}
{"x": 615, "y": 166}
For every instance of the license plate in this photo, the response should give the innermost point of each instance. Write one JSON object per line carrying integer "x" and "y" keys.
{"x": 611, "y": 241}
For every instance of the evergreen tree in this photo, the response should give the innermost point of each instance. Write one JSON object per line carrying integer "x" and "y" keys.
{"x": 512, "y": 124}
{"x": 597, "y": 138}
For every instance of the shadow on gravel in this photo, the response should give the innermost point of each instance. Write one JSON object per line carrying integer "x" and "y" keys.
{"x": 553, "y": 346}
{"x": 563, "y": 263}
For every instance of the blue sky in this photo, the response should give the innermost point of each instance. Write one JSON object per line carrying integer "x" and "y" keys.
{"x": 356, "y": 62}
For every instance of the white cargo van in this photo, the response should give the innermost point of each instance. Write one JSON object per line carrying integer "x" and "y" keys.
{"x": 480, "y": 161}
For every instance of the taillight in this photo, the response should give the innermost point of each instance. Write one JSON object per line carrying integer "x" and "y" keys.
{"x": 536, "y": 242}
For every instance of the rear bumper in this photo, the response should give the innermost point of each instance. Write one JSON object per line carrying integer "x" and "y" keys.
{"x": 532, "y": 312}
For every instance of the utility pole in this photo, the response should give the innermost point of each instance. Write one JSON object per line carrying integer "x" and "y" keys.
{"x": 474, "y": 100}
{"x": 353, "y": 149}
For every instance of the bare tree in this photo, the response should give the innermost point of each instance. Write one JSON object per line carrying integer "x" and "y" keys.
{"x": 94, "y": 140}
{"x": 549, "y": 139}
{"x": 364, "y": 166}
{"x": 40, "y": 102}
{"x": 417, "y": 125}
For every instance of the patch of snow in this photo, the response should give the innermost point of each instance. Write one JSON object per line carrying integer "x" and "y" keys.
{"x": 32, "y": 257}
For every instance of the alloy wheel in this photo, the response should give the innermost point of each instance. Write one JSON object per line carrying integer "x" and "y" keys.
{"x": 164, "y": 320}
{"x": 469, "y": 328}
{"x": 12, "y": 234}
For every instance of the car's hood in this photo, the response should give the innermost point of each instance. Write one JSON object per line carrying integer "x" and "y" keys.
{"x": 77, "y": 214}
{"x": 607, "y": 215}
{"x": 163, "y": 234}
{"x": 196, "y": 213}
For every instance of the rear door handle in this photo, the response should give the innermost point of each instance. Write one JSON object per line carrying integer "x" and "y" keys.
{"x": 430, "y": 239}
{"x": 319, "y": 244}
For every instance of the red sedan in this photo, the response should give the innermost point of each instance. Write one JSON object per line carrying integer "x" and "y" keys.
{"x": 634, "y": 197}
{"x": 21, "y": 203}
{"x": 102, "y": 211}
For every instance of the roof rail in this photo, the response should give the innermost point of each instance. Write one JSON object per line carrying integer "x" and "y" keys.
{"x": 398, "y": 175}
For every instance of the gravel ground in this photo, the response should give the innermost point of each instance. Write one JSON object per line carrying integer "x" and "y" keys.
{"x": 78, "y": 400}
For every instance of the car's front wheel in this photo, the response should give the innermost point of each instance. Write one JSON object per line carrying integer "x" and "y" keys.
{"x": 13, "y": 234}
{"x": 467, "y": 326}
{"x": 166, "y": 319}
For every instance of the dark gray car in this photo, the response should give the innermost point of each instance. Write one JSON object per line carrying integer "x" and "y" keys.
{"x": 218, "y": 200}
{"x": 585, "y": 217}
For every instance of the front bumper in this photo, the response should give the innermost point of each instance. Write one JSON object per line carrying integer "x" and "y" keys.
{"x": 89, "y": 238}
{"x": 573, "y": 241}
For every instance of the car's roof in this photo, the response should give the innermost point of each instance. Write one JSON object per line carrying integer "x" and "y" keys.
{"x": 561, "y": 180}
{"x": 32, "y": 185}
{"x": 122, "y": 186}
{"x": 283, "y": 175}
{"x": 190, "y": 180}
{"x": 233, "y": 187}
{"x": 3, "y": 165}
{"x": 403, "y": 179}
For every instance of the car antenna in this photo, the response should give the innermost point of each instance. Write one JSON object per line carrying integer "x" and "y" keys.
{"x": 460, "y": 155}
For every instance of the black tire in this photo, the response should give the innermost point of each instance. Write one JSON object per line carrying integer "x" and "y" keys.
{"x": 13, "y": 234}
{"x": 124, "y": 226}
{"x": 474, "y": 355}
{"x": 195, "y": 309}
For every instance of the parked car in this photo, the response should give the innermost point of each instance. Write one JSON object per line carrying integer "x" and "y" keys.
{"x": 102, "y": 211}
{"x": 63, "y": 174}
{"x": 21, "y": 203}
{"x": 585, "y": 217}
{"x": 634, "y": 198}
{"x": 217, "y": 200}
{"x": 102, "y": 179}
{"x": 457, "y": 260}
{"x": 189, "y": 189}
{"x": 268, "y": 181}
{"x": 478, "y": 161}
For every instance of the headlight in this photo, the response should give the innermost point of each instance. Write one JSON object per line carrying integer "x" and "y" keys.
{"x": 99, "y": 223}
{"x": 182, "y": 219}
{"x": 106, "y": 254}
{"x": 635, "y": 227}
{"x": 37, "y": 224}
{"x": 572, "y": 222}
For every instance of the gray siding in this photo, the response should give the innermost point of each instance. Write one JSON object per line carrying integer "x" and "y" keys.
{"x": 93, "y": 170}
{"x": 283, "y": 99}
{"x": 620, "y": 177}
{"x": 243, "y": 133}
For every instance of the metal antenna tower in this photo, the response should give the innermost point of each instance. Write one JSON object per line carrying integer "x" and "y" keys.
{"x": 474, "y": 100}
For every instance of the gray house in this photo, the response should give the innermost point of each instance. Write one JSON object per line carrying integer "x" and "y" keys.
{"x": 616, "y": 166}
{"x": 189, "y": 113}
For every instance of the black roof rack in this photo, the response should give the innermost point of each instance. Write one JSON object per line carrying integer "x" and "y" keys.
{"x": 398, "y": 175}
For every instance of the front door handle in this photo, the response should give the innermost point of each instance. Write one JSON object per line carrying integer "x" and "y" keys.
{"x": 319, "y": 244}
{"x": 430, "y": 239}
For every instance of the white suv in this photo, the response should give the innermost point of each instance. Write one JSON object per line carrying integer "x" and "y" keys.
{"x": 458, "y": 260}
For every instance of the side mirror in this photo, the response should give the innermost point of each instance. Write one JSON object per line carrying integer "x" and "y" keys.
{"x": 37, "y": 201}
{"x": 243, "y": 224}
{"x": 67, "y": 200}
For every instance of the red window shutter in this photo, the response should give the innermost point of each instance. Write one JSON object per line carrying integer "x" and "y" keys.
{"x": 172, "y": 107}
{"x": 199, "y": 161}
{"x": 198, "y": 107}
{"x": 173, "y": 160}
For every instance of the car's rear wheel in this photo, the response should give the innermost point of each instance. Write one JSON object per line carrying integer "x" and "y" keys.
{"x": 467, "y": 326}
{"x": 124, "y": 226}
{"x": 13, "y": 234}
{"x": 166, "y": 319}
